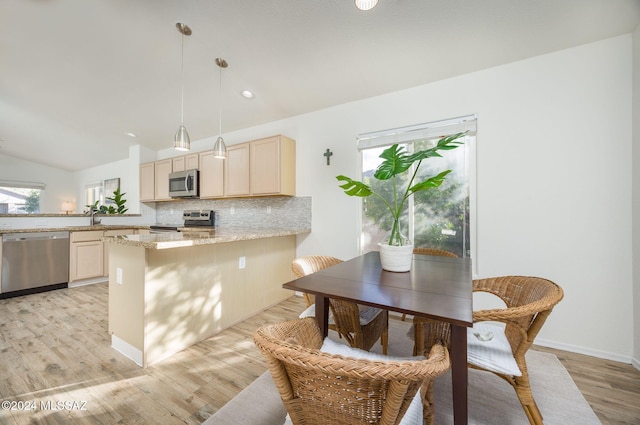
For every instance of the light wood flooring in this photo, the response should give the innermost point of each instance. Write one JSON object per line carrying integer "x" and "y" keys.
{"x": 55, "y": 352}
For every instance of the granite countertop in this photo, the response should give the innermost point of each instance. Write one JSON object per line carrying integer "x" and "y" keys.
{"x": 74, "y": 228}
{"x": 200, "y": 237}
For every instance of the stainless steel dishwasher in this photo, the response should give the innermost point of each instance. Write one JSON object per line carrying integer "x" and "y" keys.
{"x": 34, "y": 260}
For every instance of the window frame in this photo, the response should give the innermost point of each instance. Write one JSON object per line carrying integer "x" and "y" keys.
{"x": 37, "y": 186}
{"x": 403, "y": 135}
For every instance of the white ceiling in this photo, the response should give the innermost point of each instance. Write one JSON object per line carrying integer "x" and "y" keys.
{"x": 77, "y": 75}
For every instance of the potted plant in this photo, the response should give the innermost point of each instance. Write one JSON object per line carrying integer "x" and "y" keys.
{"x": 117, "y": 198}
{"x": 396, "y": 253}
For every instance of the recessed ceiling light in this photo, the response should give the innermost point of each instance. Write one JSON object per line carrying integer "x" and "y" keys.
{"x": 131, "y": 134}
{"x": 247, "y": 94}
{"x": 366, "y": 4}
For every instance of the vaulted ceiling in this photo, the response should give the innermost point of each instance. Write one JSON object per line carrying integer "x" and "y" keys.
{"x": 77, "y": 75}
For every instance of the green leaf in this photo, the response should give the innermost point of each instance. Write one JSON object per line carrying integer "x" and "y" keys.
{"x": 431, "y": 182}
{"x": 396, "y": 161}
{"x": 353, "y": 187}
{"x": 445, "y": 144}
{"x": 118, "y": 199}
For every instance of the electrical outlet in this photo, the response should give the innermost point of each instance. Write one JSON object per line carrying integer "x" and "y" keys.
{"x": 269, "y": 209}
{"x": 232, "y": 211}
{"x": 119, "y": 275}
{"x": 242, "y": 262}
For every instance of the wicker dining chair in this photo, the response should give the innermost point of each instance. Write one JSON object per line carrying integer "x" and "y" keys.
{"x": 431, "y": 251}
{"x": 361, "y": 326}
{"x": 318, "y": 388}
{"x": 528, "y": 303}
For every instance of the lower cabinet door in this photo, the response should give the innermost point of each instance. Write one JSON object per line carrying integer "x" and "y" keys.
{"x": 86, "y": 260}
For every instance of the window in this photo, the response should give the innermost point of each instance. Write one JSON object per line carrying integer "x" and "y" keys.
{"x": 436, "y": 218}
{"x": 94, "y": 193}
{"x": 20, "y": 197}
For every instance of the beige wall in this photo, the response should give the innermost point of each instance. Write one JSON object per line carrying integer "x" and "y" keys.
{"x": 170, "y": 299}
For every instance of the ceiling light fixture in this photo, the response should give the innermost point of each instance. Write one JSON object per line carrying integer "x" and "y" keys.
{"x": 248, "y": 94}
{"x": 181, "y": 140}
{"x": 219, "y": 148}
{"x": 366, "y": 4}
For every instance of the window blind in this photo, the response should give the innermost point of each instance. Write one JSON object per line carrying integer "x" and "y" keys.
{"x": 22, "y": 185}
{"x": 418, "y": 132}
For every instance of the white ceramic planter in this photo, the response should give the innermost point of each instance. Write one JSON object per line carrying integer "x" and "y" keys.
{"x": 396, "y": 258}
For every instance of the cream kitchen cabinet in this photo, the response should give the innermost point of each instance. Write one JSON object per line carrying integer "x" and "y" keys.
{"x": 236, "y": 171}
{"x": 154, "y": 180}
{"x": 261, "y": 168}
{"x": 162, "y": 170}
{"x": 147, "y": 182}
{"x": 273, "y": 166}
{"x": 86, "y": 255}
{"x": 185, "y": 162}
{"x": 154, "y": 176}
{"x": 211, "y": 176}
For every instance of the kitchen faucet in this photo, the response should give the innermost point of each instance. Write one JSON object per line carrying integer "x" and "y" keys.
{"x": 93, "y": 220}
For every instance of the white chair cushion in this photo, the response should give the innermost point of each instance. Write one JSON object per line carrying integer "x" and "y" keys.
{"x": 311, "y": 312}
{"x": 493, "y": 354}
{"x": 367, "y": 314}
{"x": 342, "y": 349}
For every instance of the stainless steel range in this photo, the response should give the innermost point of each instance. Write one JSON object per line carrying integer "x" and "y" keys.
{"x": 200, "y": 219}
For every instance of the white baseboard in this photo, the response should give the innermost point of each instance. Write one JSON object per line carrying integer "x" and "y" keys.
{"x": 587, "y": 351}
{"x": 636, "y": 363}
{"x": 126, "y": 349}
{"x": 90, "y": 281}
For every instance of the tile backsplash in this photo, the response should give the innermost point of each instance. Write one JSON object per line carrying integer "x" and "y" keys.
{"x": 281, "y": 212}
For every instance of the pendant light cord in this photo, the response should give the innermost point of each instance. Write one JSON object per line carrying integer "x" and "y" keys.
{"x": 220, "y": 107}
{"x": 182, "y": 83}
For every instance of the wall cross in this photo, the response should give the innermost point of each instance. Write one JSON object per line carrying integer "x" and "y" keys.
{"x": 328, "y": 154}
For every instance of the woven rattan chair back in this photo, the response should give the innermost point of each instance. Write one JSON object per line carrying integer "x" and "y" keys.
{"x": 528, "y": 303}
{"x": 304, "y": 266}
{"x": 434, "y": 251}
{"x": 324, "y": 389}
{"x": 431, "y": 251}
{"x": 346, "y": 315}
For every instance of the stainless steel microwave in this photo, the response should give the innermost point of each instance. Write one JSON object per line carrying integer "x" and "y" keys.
{"x": 184, "y": 184}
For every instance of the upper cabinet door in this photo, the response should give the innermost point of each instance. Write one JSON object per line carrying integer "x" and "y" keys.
{"x": 273, "y": 170}
{"x": 185, "y": 162}
{"x": 178, "y": 163}
{"x": 211, "y": 176}
{"x": 236, "y": 170}
{"x": 162, "y": 170}
{"x": 192, "y": 162}
{"x": 147, "y": 182}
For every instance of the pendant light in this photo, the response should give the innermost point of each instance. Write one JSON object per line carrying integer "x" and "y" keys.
{"x": 219, "y": 148}
{"x": 181, "y": 140}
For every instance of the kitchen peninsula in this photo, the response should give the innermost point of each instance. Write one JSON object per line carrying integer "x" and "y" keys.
{"x": 171, "y": 290}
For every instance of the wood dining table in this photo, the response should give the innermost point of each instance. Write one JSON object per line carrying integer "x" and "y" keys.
{"x": 436, "y": 287}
